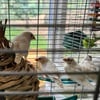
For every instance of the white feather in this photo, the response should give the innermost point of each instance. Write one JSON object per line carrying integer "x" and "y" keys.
{"x": 49, "y": 66}
{"x": 73, "y": 66}
{"x": 88, "y": 66}
{"x": 22, "y": 43}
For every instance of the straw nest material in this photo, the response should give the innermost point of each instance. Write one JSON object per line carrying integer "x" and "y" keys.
{"x": 15, "y": 83}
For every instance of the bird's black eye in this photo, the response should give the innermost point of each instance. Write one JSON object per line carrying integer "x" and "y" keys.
{"x": 39, "y": 58}
{"x": 68, "y": 59}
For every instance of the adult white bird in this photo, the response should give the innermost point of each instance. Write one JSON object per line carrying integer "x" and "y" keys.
{"x": 87, "y": 65}
{"x": 49, "y": 66}
{"x": 71, "y": 65}
{"x": 22, "y": 43}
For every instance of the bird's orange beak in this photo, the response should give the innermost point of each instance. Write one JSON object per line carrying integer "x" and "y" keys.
{"x": 34, "y": 37}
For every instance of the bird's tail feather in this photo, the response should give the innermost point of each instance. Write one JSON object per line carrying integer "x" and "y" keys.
{"x": 18, "y": 58}
{"x": 93, "y": 77}
{"x": 59, "y": 82}
{"x": 87, "y": 84}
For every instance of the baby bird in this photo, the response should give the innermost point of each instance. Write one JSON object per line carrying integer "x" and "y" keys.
{"x": 22, "y": 43}
{"x": 72, "y": 66}
{"x": 87, "y": 65}
{"x": 49, "y": 66}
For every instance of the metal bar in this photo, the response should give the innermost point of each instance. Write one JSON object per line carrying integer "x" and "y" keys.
{"x": 97, "y": 90}
{"x": 55, "y": 28}
{"x": 59, "y": 13}
{"x": 95, "y": 29}
{"x": 79, "y": 54}
{"x": 46, "y": 3}
{"x": 52, "y": 25}
{"x": 41, "y": 73}
{"x": 49, "y": 50}
{"x": 9, "y": 19}
{"x": 37, "y": 28}
{"x": 35, "y": 92}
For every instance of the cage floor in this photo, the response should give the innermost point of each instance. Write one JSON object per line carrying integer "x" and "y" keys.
{"x": 46, "y": 87}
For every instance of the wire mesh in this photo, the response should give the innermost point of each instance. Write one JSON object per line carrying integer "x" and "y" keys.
{"x": 50, "y": 20}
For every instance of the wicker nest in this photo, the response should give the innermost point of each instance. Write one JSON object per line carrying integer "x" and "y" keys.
{"x": 16, "y": 82}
